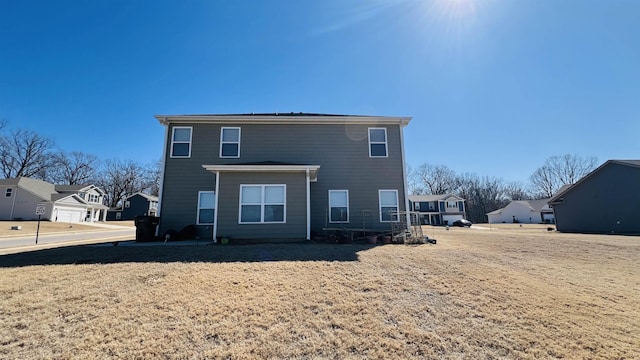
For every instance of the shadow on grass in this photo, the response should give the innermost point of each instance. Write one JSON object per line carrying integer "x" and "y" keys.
{"x": 204, "y": 253}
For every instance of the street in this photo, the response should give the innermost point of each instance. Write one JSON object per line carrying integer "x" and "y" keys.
{"x": 28, "y": 243}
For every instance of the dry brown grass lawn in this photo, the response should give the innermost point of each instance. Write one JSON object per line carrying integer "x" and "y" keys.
{"x": 511, "y": 292}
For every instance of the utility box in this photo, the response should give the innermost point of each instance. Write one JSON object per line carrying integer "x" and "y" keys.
{"x": 146, "y": 227}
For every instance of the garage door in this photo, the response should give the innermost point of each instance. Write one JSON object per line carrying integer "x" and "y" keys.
{"x": 69, "y": 215}
{"x": 451, "y": 218}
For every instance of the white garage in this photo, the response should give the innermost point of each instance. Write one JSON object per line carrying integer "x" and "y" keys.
{"x": 67, "y": 214}
{"x": 449, "y": 219}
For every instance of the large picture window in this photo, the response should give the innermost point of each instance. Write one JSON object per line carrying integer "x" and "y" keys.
{"x": 181, "y": 142}
{"x": 338, "y": 206}
{"x": 388, "y": 200}
{"x": 262, "y": 204}
{"x": 377, "y": 142}
{"x": 206, "y": 207}
{"x": 230, "y": 142}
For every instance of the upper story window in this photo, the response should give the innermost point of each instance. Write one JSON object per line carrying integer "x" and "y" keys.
{"x": 230, "y": 142}
{"x": 388, "y": 200}
{"x": 153, "y": 205}
{"x": 378, "y": 142}
{"x": 206, "y": 207}
{"x": 92, "y": 198}
{"x": 338, "y": 206}
{"x": 452, "y": 204}
{"x": 262, "y": 204}
{"x": 181, "y": 142}
{"x": 8, "y": 192}
{"x": 127, "y": 204}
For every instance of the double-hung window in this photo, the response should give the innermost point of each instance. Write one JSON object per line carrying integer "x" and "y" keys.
{"x": 230, "y": 142}
{"x": 181, "y": 142}
{"x": 206, "y": 207}
{"x": 378, "y": 142}
{"x": 338, "y": 206}
{"x": 8, "y": 192}
{"x": 262, "y": 204}
{"x": 388, "y": 200}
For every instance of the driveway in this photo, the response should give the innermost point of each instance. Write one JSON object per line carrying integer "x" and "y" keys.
{"x": 98, "y": 233}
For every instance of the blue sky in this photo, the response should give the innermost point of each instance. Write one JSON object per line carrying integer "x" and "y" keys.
{"x": 494, "y": 86}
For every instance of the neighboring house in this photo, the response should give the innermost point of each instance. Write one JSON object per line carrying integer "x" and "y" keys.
{"x": 64, "y": 203}
{"x": 281, "y": 176}
{"x": 138, "y": 204}
{"x": 523, "y": 211}
{"x": 605, "y": 201}
{"x": 438, "y": 209}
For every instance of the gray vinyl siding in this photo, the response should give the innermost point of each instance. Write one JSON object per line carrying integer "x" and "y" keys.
{"x": 295, "y": 226}
{"x": 342, "y": 151}
{"x": 597, "y": 204}
{"x": 138, "y": 205}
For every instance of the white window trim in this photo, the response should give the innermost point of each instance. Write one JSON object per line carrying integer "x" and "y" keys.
{"x": 198, "y": 208}
{"x": 230, "y": 142}
{"x": 386, "y": 145}
{"x": 380, "y": 205}
{"x": 127, "y": 204}
{"x": 190, "y": 142}
{"x": 262, "y": 205}
{"x": 338, "y": 222}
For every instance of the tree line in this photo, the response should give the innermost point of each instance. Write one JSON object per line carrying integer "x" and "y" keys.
{"x": 484, "y": 194}
{"x": 25, "y": 153}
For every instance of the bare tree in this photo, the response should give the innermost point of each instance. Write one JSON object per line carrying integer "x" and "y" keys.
{"x": 413, "y": 182}
{"x": 152, "y": 178}
{"x": 560, "y": 170}
{"x": 482, "y": 195}
{"x": 434, "y": 179}
{"x": 120, "y": 179}
{"x": 25, "y": 153}
{"x": 74, "y": 168}
{"x": 517, "y": 191}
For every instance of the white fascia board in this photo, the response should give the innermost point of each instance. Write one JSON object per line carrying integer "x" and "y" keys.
{"x": 313, "y": 169}
{"x": 281, "y": 119}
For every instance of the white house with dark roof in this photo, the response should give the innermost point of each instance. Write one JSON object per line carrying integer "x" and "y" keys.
{"x": 20, "y": 196}
{"x": 523, "y": 211}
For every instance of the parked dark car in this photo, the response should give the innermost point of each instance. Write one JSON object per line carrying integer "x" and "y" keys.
{"x": 462, "y": 223}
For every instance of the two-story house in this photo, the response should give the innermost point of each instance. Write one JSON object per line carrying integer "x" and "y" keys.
{"x": 138, "y": 204}
{"x": 438, "y": 209}
{"x": 281, "y": 176}
{"x": 20, "y": 196}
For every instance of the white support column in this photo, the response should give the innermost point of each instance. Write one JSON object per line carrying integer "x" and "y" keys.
{"x": 308, "y": 206}
{"x": 215, "y": 199}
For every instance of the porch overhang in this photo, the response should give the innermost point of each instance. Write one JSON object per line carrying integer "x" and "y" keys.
{"x": 312, "y": 169}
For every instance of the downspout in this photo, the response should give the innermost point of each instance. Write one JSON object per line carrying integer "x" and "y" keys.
{"x": 404, "y": 178}
{"x": 215, "y": 211}
{"x": 308, "y": 205}
{"x": 164, "y": 167}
